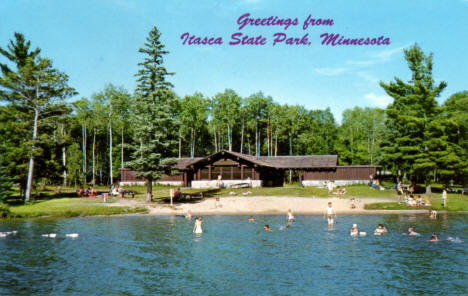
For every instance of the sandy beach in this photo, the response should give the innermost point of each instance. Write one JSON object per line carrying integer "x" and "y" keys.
{"x": 262, "y": 205}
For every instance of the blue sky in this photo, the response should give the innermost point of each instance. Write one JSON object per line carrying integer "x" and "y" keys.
{"x": 96, "y": 42}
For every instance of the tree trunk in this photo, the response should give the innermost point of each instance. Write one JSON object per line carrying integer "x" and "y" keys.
{"x": 27, "y": 195}
{"x": 256, "y": 139}
{"x": 111, "y": 177}
{"x": 215, "y": 139}
{"x": 180, "y": 145}
{"x": 428, "y": 187}
{"x": 149, "y": 189}
{"x": 268, "y": 137}
{"x": 229, "y": 137}
{"x": 64, "y": 159}
{"x": 64, "y": 163}
{"x": 290, "y": 144}
{"x": 122, "y": 151}
{"x": 242, "y": 138}
{"x": 94, "y": 156}
{"x": 84, "y": 138}
{"x": 276, "y": 144}
{"x": 192, "y": 143}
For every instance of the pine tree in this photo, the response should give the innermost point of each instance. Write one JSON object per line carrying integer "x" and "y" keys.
{"x": 36, "y": 88}
{"x": 153, "y": 116}
{"x": 408, "y": 146}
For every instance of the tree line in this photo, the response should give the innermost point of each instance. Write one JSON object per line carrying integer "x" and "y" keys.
{"x": 47, "y": 138}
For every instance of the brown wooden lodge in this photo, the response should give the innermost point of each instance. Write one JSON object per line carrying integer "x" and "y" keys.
{"x": 226, "y": 168}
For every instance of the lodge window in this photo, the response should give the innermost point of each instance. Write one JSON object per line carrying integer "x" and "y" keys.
{"x": 226, "y": 172}
{"x": 236, "y": 173}
{"x": 247, "y": 173}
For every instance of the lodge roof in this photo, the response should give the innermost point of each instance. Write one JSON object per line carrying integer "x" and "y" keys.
{"x": 280, "y": 162}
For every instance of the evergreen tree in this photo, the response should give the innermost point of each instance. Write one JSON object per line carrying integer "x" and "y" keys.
{"x": 408, "y": 144}
{"x": 154, "y": 115}
{"x": 36, "y": 88}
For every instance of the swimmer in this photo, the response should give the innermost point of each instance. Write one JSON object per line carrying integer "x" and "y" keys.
{"x": 411, "y": 231}
{"x": 251, "y": 219}
{"x": 290, "y": 216}
{"x": 433, "y": 214}
{"x": 354, "y": 230}
{"x": 331, "y": 214}
{"x": 267, "y": 227}
{"x": 434, "y": 238}
{"x": 188, "y": 216}
{"x": 454, "y": 240}
{"x": 381, "y": 229}
{"x": 197, "y": 228}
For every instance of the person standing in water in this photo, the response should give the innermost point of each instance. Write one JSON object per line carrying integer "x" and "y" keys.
{"x": 331, "y": 214}
{"x": 197, "y": 228}
{"x": 444, "y": 198}
{"x": 290, "y": 216}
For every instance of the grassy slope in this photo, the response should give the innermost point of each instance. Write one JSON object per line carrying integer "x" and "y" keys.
{"x": 455, "y": 202}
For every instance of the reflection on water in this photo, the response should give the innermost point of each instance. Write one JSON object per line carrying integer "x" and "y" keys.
{"x": 161, "y": 255}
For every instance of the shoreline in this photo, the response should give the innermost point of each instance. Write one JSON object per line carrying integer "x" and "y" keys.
{"x": 268, "y": 205}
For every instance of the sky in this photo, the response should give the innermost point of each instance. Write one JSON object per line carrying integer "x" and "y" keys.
{"x": 96, "y": 42}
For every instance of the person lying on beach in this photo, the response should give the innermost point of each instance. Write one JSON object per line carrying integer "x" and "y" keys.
{"x": 354, "y": 231}
{"x": 411, "y": 231}
{"x": 381, "y": 229}
{"x": 267, "y": 227}
{"x": 290, "y": 216}
{"x": 434, "y": 238}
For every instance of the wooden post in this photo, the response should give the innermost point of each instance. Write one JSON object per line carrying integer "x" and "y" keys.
{"x": 242, "y": 172}
{"x": 209, "y": 172}
{"x": 171, "y": 193}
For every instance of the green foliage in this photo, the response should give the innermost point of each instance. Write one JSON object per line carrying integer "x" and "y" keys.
{"x": 409, "y": 143}
{"x": 154, "y": 115}
{"x": 361, "y": 133}
{"x": 37, "y": 90}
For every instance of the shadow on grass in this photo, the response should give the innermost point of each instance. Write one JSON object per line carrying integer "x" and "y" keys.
{"x": 191, "y": 197}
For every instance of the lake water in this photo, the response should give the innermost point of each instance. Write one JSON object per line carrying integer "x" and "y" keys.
{"x": 161, "y": 256}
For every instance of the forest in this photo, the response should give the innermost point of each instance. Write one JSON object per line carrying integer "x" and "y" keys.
{"x": 49, "y": 135}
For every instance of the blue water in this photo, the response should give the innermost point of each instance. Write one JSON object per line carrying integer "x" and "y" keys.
{"x": 160, "y": 256}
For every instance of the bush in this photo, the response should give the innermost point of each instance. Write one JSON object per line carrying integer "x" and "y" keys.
{"x": 4, "y": 211}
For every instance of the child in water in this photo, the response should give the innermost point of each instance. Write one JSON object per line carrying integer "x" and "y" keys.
{"x": 434, "y": 238}
{"x": 354, "y": 231}
{"x": 267, "y": 227}
{"x": 381, "y": 229}
{"x": 412, "y": 232}
{"x": 290, "y": 216}
{"x": 331, "y": 214}
{"x": 197, "y": 228}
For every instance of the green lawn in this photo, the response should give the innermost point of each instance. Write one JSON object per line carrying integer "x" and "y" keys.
{"x": 68, "y": 207}
{"x": 455, "y": 202}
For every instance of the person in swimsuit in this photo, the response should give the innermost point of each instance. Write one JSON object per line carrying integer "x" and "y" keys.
{"x": 434, "y": 238}
{"x": 354, "y": 231}
{"x": 381, "y": 229}
{"x": 251, "y": 219}
{"x": 290, "y": 216}
{"x": 197, "y": 228}
{"x": 411, "y": 231}
{"x": 188, "y": 216}
{"x": 331, "y": 214}
{"x": 267, "y": 227}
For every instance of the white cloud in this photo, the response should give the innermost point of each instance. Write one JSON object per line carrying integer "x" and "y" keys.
{"x": 379, "y": 101}
{"x": 379, "y": 57}
{"x": 368, "y": 77}
{"x": 330, "y": 71}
